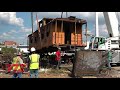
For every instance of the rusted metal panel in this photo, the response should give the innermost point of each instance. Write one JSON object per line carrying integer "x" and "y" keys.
{"x": 88, "y": 62}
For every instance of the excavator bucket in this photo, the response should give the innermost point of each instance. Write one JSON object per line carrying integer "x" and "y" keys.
{"x": 89, "y": 62}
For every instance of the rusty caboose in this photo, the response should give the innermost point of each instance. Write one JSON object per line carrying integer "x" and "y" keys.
{"x": 58, "y": 32}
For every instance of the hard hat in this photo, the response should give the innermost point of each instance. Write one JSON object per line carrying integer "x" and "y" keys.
{"x": 32, "y": 49}
{"x": 59, "y": 48}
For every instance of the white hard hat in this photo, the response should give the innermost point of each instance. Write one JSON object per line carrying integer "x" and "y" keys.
{"x": 32, "y": 49}
{"x": 59, "y": 48}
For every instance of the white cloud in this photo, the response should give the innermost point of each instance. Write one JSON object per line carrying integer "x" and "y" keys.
{"x": 22, "y": 37}
{"x": 81, "y": 14}
{"x": 25, "y": 30}
{"x": 10, "y": 18}
{"x": 102, "y": 25}
{"x": 103, "y": 30}
{"x": 58, "y": 14}
{"x": 27, "y": 34}
{"x": 87, "y": 15}
{"x": 48, "y": 14}
{"x": 13, "y": 31}
{"x": 35, "y": 24}
{"x": 18, "y": 36}
{"x": 88, "y": 31}
{"x": 13, "y": 37}
{"x": 10, "y": 35}
{"x": 5, "y": 34}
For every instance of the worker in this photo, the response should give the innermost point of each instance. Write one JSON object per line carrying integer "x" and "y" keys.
{"x": 17, "y": 66}
{"x": 44, "y": 63}
{"x": 58, "y": 58}
{"x": 109, "y": 58}
{"x": 33, "y": 63}
{"x": 51, "y": 59}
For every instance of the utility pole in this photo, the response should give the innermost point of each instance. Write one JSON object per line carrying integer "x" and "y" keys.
{"x": 66, "y": 14}
{"x": 32, "y": 21}
{"x": 39, "y": 32}
{"x": 62, "y": 14}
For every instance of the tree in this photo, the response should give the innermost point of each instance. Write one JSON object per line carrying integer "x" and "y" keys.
{"x": 8, "y": 53}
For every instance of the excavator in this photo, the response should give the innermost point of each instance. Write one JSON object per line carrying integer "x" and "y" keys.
{"x": 112, "y": 42}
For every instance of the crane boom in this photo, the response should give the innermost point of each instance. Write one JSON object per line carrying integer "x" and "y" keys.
{"x": 112, "y": 42}
{"x": 97, "y": 31}
{"x": 111, "y": 23}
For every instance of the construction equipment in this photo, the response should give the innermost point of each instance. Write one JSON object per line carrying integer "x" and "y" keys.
{"x": 112, "y": 42}
{"x": 103, "y": 43}
{"x": 91, "y": 60}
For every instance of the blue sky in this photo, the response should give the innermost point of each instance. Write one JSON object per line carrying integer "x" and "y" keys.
{"x": 16, "y": 26}
{"x": 26, "y": 16}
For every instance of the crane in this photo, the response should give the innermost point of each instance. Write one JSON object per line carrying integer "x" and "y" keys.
{"x": 112, "y": 42}
{"x": 100, "y": 43}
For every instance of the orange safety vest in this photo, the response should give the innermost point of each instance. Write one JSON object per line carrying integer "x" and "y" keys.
{"x": 16, "y": 67}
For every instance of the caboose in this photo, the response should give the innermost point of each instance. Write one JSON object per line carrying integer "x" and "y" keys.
{"x": 66, "y": 33}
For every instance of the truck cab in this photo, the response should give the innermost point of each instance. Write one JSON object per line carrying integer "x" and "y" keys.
{"x": 97, "y": 43}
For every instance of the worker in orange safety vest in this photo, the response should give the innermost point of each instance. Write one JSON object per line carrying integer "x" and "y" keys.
{"x": 17, "y": 66}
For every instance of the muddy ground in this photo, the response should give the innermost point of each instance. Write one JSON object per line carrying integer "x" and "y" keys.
{"x": 65, "y": 72}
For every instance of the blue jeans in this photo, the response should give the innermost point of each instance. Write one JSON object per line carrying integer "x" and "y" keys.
{"x": 17, "y": 75}
{"x": 34, "y": 72}
{"x": 58, "y": 64}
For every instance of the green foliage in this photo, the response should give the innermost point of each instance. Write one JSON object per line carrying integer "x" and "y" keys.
{"x": 8, "y": 52}
{"x": 1, "y": 44}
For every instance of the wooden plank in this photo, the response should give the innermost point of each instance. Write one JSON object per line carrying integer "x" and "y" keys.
{"x": 59, "y": 38}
